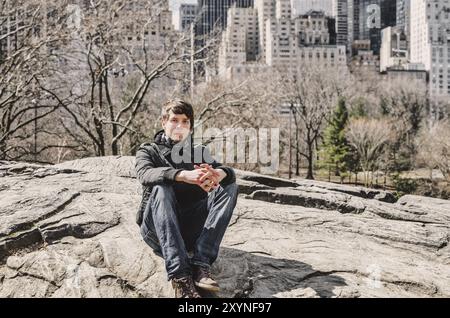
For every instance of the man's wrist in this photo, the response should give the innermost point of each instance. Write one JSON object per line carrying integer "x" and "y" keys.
{"x": 222, "y": 174}
{"x": 179, "y": 177}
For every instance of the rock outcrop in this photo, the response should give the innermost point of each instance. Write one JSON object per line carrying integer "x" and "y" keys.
{"x": 69, "y": 230}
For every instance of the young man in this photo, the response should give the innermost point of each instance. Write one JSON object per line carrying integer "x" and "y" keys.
{"x": 187, "y": 204}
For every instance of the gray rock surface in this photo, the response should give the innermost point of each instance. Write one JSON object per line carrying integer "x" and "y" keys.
{"x": 69, "y": 230}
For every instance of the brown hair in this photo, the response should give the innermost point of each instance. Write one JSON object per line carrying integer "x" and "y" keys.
{"x": 179, "y": 107}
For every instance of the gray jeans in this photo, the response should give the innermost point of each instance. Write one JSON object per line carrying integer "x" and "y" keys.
{"x": 172, "y": 230}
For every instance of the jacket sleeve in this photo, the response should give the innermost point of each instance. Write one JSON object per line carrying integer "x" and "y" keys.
{"x": 148, "y": 172}
{"x": 231, "y": 175}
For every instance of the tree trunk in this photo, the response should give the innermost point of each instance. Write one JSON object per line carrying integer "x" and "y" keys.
{"x": 297, "y": 153}
{"x": 3, "y": 151}
{"x": 97, "y": 122}
{"x": 114, "y": 147}
{"x": 310, "y": 175}
{"x": 310, "y": 145}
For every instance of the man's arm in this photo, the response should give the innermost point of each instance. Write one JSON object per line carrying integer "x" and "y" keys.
{"x": 149, "y": 173}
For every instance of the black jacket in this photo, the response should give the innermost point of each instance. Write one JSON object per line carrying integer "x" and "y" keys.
{"x": 154, "y": 166}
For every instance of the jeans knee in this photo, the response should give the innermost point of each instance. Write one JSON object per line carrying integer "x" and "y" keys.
{"x": 232, "y": 189}
{"x": 162, "y": 191}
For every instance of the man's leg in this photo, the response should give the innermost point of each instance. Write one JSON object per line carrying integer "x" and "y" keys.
{"x": 160, "y": 218}
{"x": 220, "y": 205}
{"x": 192, "y": 220}
{"x": 148, "y": 231}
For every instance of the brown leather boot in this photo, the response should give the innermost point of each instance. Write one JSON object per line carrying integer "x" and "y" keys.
{"x": 202, "y": 279}
{"x": 184, "y": 287}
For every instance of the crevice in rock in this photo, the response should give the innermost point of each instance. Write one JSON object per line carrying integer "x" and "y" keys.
{"x": 445, "y": 243}
{"x": 305, "y": 201}
{"x": 25, "y": 274}
{"x": 431, "y": 289}
{"x": 29, "y": 225}
{"x": 260, "y": 252}
{"x": 238, "y": 217}
{"x": 328, "y": 273}
{"x": 270, "y": 182}
{"x": 21, "y": 241}
{"x": 379, "y": 195}
{"x": 61, "y": 219}
{"x": 123, "y": 283}
{"x": 391, "y": 217}
{"x": 37, "y": 237}
{"x": 79, "y": 231}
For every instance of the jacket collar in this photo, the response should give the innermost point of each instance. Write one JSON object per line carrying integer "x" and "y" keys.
{"x": 165, "y": 143}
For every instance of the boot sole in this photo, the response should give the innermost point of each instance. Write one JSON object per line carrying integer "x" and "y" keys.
{"x": 207, "y": 287}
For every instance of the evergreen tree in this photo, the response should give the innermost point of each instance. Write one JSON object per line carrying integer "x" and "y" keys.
{"x": 336, "y": 152}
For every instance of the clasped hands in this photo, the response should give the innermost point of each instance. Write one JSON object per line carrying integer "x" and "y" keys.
{"x": 204, "y": 175}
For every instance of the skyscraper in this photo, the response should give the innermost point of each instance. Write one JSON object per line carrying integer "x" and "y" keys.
{"x": 340, "y": 13}
{"x": 403, "y": 15}
{"x": 368, "y": 17}
{"x": 403, "y": 7}
{"x": 430, "y": 43}
{"x": 213, "y": 13}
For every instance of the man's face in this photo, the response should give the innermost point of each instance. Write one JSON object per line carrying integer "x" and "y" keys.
{"x": 177, "y": 127}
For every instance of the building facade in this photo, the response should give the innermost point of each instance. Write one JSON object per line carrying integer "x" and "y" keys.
{"x": 403, "y": 15}
{"x": 185, "y": 16}
{"x": 300, "y": 7}
{"x": 286, "y": 42}
{"x": 340, "y": 13}
{"x": 394, "y": 48}
{"x": 366, "y": 19}
{"x": 430, "y": 44}
{"x": 213, "y": 14}
{"x": 240, "y": 39}
{"x": 265, "y": 10}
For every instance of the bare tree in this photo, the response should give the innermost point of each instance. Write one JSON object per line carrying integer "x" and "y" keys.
{"x": 369, "y": 138}
{"x": 405, "y": 104}
{"x": 30, "y": 32}
{"x": 311, "y": 93}
{"x": 121, "y": 54}
{"x": 433, "y": 144}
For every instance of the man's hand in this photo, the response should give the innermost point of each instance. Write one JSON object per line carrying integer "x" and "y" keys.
{"x": 211, "y": 178}
{"x": 189, "y": 176}
{"x": 205, "y": 176}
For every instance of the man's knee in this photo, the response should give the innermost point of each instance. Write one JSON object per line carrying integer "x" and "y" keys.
{"x": 232, "y": 189}
{"x": 163, "y": 191}
{"x": 151, "y": 239}
{"x": 229, "y": 193}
